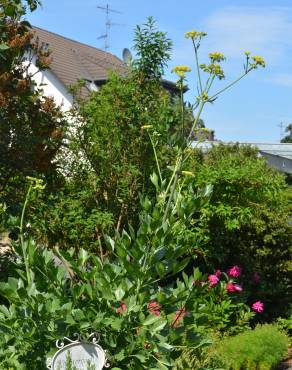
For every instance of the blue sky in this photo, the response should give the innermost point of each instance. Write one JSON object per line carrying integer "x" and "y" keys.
{"x": 253, "y": 110}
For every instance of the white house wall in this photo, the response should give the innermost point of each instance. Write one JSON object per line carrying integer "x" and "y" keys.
{"x": 52, "y": 87}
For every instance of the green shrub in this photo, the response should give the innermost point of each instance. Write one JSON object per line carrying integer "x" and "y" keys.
{"x": 102, "y": 191}
{"x": 259, "y": 349}
{"x": 246, "y": 221}
{"x": 286, "y": 324}
{"x": 145, "y": 316}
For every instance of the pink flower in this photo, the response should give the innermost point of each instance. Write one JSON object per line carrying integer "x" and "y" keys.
{"x": 256, "y": 277}
{"x": 154, "y": 308}
{"x": 258, "y": 306}
{"x": 232, "y": 288}
{"x": 122, "y": 308}
{"x": 234, "y": 272}
{"x": 218, "y": 273}
{"x": 213, "y": 280}
{"x": 237, "y": 288}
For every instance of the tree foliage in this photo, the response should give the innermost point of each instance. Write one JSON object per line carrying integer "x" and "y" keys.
{"x": 288, "y": 137}
{"x": 32, "y": 126}
{"x": 153, "y": 50}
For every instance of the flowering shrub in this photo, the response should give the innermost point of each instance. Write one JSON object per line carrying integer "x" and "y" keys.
{"x": 246, "y": 223}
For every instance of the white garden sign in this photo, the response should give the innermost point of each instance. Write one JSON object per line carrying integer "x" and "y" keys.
{"x": 84, "y": 355}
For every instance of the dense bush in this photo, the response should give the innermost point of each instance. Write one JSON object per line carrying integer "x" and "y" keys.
{"x": 259, "y": 349}
{"x": 108, "y": 131}
{"x": 247, "y": 220}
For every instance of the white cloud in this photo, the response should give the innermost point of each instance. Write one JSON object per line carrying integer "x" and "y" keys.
{"x": 263, "y": 31}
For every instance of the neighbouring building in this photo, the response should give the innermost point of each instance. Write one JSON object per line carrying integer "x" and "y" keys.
{"x": 72, "y": 61}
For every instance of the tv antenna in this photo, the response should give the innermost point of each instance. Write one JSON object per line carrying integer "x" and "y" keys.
{"x": 108, "y": 24}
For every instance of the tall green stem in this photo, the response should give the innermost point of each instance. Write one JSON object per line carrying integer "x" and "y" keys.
{"x": 201, "y": 106}
{"x": 182, "y": 106}
{"x": 177, "y": 168}
{"x": 198, "y": 66}
{"x": 230, "y": 85}
{"x": 24, "y": 252}
{"x": 156, "y": 158}
{"x": 171, "y": 195}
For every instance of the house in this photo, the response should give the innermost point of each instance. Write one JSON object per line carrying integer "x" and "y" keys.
{"x": 72, "y": 61}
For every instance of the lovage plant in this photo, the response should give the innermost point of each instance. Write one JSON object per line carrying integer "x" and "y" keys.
{"x": 212, "y": 71}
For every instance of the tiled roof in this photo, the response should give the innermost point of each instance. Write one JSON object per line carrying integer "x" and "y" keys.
{"x": 72, "y": 60}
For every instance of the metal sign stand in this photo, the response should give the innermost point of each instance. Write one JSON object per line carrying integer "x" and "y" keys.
{"x": 83, "y": 354}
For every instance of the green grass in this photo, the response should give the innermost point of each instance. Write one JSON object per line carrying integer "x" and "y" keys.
{"x": 259, "y": 349}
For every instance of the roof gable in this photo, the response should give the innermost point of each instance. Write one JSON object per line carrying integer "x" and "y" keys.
{"x": 72, "y": 60}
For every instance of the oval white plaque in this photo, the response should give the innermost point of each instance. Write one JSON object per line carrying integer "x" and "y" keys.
{"x": 84, "y": 356}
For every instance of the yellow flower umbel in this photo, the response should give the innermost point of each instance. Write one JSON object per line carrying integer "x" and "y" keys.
{"x": 259, "y": 61}
{"x": 181, "y": 70}
{"x": 213, "y": 69}
{"x": 253, "y": 62}
{"x": 216, "y": 57}
{"x": 195, "y": 35}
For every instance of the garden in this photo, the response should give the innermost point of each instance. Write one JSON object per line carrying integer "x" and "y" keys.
{"x": 117, "y": 224}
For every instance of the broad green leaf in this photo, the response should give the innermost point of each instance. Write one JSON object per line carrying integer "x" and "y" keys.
{"x": 4, "y": 47}
{"x": 141, "y": 357}
{"x": 151, "y": 319}
{"x": 119, "y": 293}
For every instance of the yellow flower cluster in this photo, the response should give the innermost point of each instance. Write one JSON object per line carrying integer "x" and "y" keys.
{"x": 36, "y": 184}
{"x": 259, "y": 61}
{"x": 216, "y": 57}
{"x": 195, "y": 35}
{"x": 213, "y": 69}
{"x": 181, "y": 70}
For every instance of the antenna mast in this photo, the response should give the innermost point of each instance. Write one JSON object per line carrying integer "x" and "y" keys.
{"x": 108, "y": 24}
